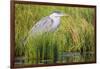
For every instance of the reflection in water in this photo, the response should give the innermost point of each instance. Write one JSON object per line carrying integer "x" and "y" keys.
{"x": 65, "y": 57}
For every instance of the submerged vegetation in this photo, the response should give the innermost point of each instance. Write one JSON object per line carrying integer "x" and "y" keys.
{"x": 74, "y": 35}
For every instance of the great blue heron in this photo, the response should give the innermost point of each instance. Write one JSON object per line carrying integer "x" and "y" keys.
{"x": 47, "y": 24}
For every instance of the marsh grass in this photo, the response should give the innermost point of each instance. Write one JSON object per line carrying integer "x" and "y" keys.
{"x": 75, "y": 34}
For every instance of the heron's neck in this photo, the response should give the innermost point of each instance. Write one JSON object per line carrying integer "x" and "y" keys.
{"x": 54, "y": 18}
{"x": 56, "y": 21}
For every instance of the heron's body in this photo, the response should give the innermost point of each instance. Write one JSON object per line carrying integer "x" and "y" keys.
{"x": 47, "y": 24}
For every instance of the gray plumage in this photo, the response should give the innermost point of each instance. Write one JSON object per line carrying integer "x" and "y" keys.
{"x": 47, "y": 24}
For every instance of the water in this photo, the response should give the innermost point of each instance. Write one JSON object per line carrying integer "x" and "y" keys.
{"x": 65, "y": 57}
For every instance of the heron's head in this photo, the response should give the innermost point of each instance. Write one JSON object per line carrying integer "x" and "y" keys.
{"x": 58, "y": 14}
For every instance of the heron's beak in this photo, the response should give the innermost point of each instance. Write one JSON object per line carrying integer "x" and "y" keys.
{"x": 64, "y": 15}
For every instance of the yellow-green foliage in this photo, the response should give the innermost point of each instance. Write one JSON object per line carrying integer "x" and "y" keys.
{"x": 75, "y": 33}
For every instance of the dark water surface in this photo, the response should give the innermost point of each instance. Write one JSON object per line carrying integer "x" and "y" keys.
{"x": 65, "y": 57}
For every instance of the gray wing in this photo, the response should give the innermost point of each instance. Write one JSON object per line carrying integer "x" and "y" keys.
{"x": 44, "y": 25}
